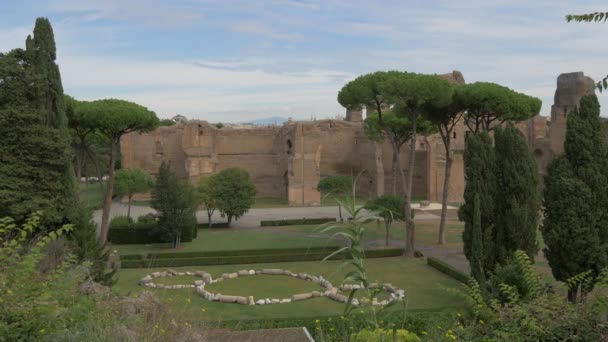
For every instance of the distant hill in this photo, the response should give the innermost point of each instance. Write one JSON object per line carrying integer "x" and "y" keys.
{"x": 274, "y": 120}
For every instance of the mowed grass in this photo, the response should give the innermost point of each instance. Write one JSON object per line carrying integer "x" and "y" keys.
{"x": 227, "y": 239}
{"x": 425, "y": 289}
{"x": 264, "y": 286}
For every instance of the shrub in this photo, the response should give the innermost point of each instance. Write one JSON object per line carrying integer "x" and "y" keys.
{"x": 447, "y": 269}
{"x": 148, "y": 218}
{"x": 213, "y": 225}
{"x": 133, "y": 236}
{"x": 384, "y": 335}
{"x": 291, "y": 222}
{"x": 121, "y": 222}
{"x": 240, "y": 258}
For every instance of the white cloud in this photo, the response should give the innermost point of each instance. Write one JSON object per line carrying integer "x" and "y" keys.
{"x": 11, "y": 38}
{"x": 261, "y": 29}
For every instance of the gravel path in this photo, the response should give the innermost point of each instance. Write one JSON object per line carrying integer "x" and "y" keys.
{"x": 252, "y": 218}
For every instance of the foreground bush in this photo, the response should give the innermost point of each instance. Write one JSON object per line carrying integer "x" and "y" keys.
{"x": 60, "y": 304}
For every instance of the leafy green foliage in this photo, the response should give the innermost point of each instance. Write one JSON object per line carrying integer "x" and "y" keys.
{"x": 130, "y": 182}
{"x": 232, "y": 192}
{"x": 489, "y": 103}
{"x": 88, "y": 248}
{"x": 117, "y": 117}
{"x": 28, "y": 297}
{"x": 353, "y": 234}
{"x": 575, "y": 228}
{"x": 526, "y": 312}
{"x": 517, "y": 201}
{"x": 335, "y": 186}
{"x": 519, "y": 276}
{"x": 398, "y": 335}
{"x": 589, "y": 17}
{"x": 35, "y": 161}
{"x": 390, "y": 208}
{"x": 176, "y": 202}
{"x": 206, "y": 197}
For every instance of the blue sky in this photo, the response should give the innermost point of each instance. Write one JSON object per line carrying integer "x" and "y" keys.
{"x": 237, "y": 60}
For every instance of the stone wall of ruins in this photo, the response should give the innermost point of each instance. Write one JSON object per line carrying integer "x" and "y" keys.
{"x": 288, "y": 161}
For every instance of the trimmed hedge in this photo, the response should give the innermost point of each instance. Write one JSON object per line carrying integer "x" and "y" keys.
{"x": 124, "y": 231}
{"x": 448, "y": 269}
{"x": 133, "y": 235}
{"x": 272, "y": 223}
{"x": 296, "y": 255}
{"x": 213, "y": 225}
{"x": 238, "y": 252}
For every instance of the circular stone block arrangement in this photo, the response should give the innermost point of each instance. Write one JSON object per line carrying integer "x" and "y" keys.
{"x": 334, "y": 293}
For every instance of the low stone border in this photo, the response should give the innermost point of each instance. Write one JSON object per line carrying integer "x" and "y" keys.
{"x": 334, "y": 293}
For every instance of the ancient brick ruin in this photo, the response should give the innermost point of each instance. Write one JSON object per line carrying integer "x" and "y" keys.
{"x": 288, "y": 161}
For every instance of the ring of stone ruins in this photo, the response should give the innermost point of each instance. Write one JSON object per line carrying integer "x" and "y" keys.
{"x": 334, "y": 293}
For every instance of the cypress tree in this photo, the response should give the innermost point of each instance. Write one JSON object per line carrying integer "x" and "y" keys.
{"x": 575, "y": 227}
{"x": 35, "y": 160}
{"x": 517, "y": 203}
{"x": 176, "y": 203}
{"x": 480, "y": 175}
{"x": 477, "y": 253}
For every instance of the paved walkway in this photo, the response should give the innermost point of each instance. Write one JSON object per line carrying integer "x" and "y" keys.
{"x": 253, "y": 217}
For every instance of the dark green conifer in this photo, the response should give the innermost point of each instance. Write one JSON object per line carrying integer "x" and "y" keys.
{"x": 575, "y": 227}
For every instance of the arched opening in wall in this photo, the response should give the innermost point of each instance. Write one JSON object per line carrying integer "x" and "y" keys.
{"x": 289, "y": 146}
{"x": 200, "y": 129}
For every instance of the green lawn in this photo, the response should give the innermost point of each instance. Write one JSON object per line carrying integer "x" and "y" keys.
{"x": 425, "y": 289}
{"x": 234, "y": 239}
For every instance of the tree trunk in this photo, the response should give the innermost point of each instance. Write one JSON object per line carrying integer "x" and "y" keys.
{"x": 209, "y": 213}
{"x": 129, "y": 206}
{"x": 229, "y": 220}
{"x": 340, "y": 213}
{"x": 387, "y": 226}
{"x": 446, "y": 186}
{"x": 404, "y": 185}
{"x": 394, "y": 178}
{"x": 107, "y": 203}
{"x": 410, "y": 226}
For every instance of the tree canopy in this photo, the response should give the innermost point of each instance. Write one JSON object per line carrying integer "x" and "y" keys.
{"x": 115, "y": 118}
{"x": 232, "y": 191}
{"x": 488, "y": 104}
{"x": 176, "y": 202}
{"x": 390, "y": 208}
{"x": 130, "y": 182}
